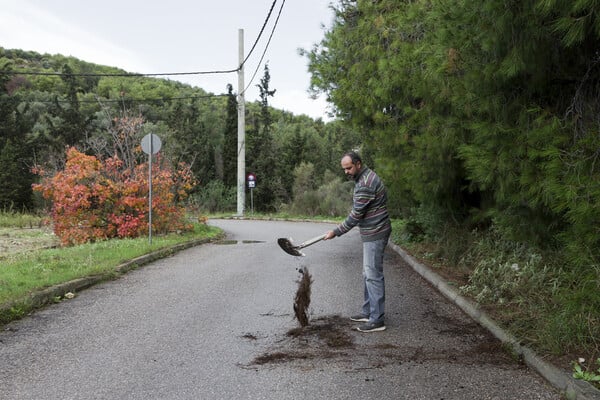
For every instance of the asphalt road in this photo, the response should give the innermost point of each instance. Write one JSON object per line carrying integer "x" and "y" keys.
{"x": 216, "y": 322}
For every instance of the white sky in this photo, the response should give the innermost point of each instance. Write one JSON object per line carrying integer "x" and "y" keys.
{"x": 150, "y": 36}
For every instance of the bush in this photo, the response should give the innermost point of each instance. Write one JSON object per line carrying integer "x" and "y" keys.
{"x": 332, "y": 198}
{"x": 95, "y": 200}
{"x": 215, "y": 196}
{"x": 427, "y": 223}
{"x": 508, "y": 272}
{"x": 335, "y": 196}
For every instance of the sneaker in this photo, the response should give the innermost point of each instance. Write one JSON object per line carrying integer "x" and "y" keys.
{"x": 359, "y": 318}
{"x": 372, "y": 327}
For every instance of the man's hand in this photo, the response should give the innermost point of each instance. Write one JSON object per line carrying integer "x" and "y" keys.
{"x": 329, "y": 235}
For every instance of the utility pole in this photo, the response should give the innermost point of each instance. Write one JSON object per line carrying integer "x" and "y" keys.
{"x": 241, "y": 154}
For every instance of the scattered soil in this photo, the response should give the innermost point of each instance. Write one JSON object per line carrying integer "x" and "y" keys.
{"x": 302, "y": 299}
{"x": 249, "y": 336}
{"x": 332, "y": 339}
{"x": 325, "y": 338}
{"x": 326, "y": 331}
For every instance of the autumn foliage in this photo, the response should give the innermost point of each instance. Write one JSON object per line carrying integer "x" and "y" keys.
{"x": 95, "y": 200}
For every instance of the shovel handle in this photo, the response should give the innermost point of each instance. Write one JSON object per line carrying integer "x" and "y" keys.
{"x": 311, "y": 241}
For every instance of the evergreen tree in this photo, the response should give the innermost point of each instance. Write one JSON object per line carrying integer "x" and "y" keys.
{"x": 488, "y": 110}
{"x": 261, "y": 155}
{"x": 293, "y": 154}
{"x": 72, "y": 125}
{"x": 15, "y": 177}
{"x": 15, "y": 154}
{"x": 230, "y": 146}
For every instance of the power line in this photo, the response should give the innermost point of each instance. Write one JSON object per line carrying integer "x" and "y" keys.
{"x": 133, "y": 75}
{"x": 266, "y": 47}
{"x": 260, "y": 33}
{"x": 156, "y": 99}
{"x": 133, "y": 100}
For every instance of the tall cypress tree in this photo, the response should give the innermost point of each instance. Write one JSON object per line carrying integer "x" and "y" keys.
{"x": 261, "y": 156}
{"x": 230, "y": 145}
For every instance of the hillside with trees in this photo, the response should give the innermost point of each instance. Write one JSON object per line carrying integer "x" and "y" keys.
{"x": 49, "y": 103}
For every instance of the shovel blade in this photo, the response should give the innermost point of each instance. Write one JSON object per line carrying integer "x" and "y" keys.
{"x": 288, "y": 247}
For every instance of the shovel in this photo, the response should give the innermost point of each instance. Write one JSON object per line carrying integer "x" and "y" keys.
{"x": 290, "y": 248}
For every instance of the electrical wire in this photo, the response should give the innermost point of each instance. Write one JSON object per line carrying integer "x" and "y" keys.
{"x": 259, "y": 34}
{"x": 133, "y": 75}
{"x": 143, "y": 100}
{"x": 266, "y": 47}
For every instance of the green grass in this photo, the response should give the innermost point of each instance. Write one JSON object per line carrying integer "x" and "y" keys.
{"x": 12, "y": 219}
{"x": 24, "y": 273}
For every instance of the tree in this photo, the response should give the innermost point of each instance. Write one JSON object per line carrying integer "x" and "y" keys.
{"x": 15, "y": 177}
{"x": 488, "y": 111}
{"x": 230, "y": 144}
{"x": 15, "y": 153}
{"x": 108, "y": 115}
{"x": 69, "y": 125}
{"x": 261, "y": 154}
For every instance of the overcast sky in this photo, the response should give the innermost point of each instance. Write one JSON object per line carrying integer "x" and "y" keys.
{"x": 150, "y": 36}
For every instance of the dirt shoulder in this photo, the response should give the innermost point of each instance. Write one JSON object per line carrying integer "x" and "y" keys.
{"x": 21, "y": 240}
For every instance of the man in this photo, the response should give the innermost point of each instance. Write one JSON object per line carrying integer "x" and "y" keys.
{"x": 369, "y": 212}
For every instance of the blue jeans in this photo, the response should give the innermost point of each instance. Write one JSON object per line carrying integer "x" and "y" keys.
{"x": 374, "y": 282}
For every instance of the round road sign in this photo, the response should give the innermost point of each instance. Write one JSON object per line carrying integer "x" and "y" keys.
{"x": 151, "y": 143}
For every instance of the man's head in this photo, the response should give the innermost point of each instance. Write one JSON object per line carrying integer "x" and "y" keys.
{"x": 351, "y": 164}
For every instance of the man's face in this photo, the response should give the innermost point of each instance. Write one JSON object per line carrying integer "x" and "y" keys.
{"x": 350, "y": 169}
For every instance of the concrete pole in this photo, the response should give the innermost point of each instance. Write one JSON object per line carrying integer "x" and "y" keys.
{"x": 150, "y": 191}
{"x": 241, "y": 156}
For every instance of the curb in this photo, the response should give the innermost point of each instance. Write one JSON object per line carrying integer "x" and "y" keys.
{"x": 572, "y": 388}
{"x": 47, "y": 296}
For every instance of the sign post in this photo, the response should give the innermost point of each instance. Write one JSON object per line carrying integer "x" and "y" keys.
{"x": 251, "y": 180}
{"x": 151, "y": 144}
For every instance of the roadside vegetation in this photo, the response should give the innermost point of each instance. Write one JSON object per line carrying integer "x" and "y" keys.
{"x": 529, "y": 291}
{"x": 10, "y": 218}
{"x": 29, "y": 269}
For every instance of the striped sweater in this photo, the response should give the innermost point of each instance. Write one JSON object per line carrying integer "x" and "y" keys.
{"x": 369, "y": 210}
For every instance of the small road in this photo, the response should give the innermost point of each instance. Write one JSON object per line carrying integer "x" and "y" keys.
{"x": 216, "y": 322}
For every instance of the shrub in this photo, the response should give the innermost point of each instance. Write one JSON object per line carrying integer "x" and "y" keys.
{"x": 508, "y": 272}
{"x": 333, "y": 198}
{"x": 95, "y": 200}
{"x": 215, "y": 196}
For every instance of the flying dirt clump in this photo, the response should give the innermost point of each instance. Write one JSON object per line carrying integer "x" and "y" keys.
{"x": 302, "y": 299}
